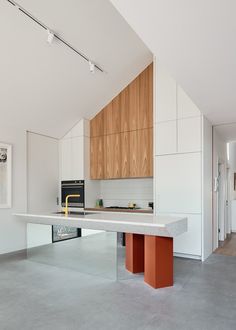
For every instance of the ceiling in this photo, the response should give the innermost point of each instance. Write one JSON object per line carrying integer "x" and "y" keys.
{"x": 227, "y": 132}
{"x": 48, "y": 88}
{"x": 196, "y": 41}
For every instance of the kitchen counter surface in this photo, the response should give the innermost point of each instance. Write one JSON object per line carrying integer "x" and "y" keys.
{"x": 147, "y": 224}
{"x": 111, "y": 210}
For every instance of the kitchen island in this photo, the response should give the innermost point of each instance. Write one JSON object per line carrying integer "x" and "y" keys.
{"x": 149, "y": 238}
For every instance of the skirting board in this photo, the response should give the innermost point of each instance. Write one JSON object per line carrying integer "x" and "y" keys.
{"x": 187, "y": 256}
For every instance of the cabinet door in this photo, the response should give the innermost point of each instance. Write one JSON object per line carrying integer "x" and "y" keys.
{"x": 133, "y": 154}
{"x": 125, "y": 150}
{"x": 97, "y": 125}
{"x": 145, "y": 154}
{"x": 134, "y": 103}
{"x": 97, "y": 157}
{"x": 112, "y": 116}
{"x": 77, "y": 158}
{"x": 65, "y": 153}
{"x": 141, "y": 153}
{"x": 145, "y": 110}
{"x": 124, "y": 110}
{"x": 112, "y": 156}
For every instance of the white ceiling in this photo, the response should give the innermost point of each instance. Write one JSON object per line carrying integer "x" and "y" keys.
{"x": 227, "y": 132}
{"x": 48, "y": 88}
{"x": 196, "y": 41}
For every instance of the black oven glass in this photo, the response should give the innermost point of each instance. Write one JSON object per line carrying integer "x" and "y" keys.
{"x": 75, "y": 187}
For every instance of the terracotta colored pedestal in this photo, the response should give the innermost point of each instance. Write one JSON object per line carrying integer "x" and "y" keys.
{"x": 152, "y": 255}
{"x": 134, "y": 261}
{"x": 158, "y": 260}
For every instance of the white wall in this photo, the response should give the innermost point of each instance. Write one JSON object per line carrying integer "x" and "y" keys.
{"x": 121, "y": 192}
{"x": 12, "y": 231}
{"x": 179, "y": 142}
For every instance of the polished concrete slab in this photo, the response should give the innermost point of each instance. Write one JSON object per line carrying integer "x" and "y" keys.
{"x": 39, "y": 296}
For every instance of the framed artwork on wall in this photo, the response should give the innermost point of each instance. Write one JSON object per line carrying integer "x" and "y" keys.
{"x": 5, "y": 175}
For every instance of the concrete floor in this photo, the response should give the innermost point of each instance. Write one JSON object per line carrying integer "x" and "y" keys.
{"x": 38, "y": 296}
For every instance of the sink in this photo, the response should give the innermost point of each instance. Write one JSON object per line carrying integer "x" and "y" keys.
{"x": 74, "y": 212}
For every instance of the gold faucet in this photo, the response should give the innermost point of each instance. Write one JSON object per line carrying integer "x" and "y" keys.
{"x": 66, "y": 208}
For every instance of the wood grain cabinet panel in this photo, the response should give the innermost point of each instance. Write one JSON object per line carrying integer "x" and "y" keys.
{"x": 125, "y": 151}
{"x": 112, "y": 115}
{"x": 124, "y": 111}
{"x": 112, "y": 156}
{"x": 134, "y": 89}
{"x": 121, "y": 134}
{"x": 145, "y": 110}
{"x": 145, "y": 152}
{"x": 133, "y": 154}
{"x": 97, "y": 125}
{"x": 97, "y": 157}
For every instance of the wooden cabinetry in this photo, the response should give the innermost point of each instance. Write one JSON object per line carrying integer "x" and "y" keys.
{"x": 112, "y": 156}
{"x": 97, "y": 157}
{"x": 141, "y": 153}
{"x": 121, "y": 134}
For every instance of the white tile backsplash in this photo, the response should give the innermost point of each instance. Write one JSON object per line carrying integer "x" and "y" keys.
{"x": 121, "y": 192}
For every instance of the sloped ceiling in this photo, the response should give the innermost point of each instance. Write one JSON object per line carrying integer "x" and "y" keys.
{"x": 195, "y": 40}
{"x": 48, "y": 88}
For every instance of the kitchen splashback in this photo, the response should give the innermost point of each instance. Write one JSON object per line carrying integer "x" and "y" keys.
{"x": 121, "y": 192}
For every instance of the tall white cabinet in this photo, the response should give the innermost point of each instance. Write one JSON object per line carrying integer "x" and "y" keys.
{"x": 74, "y": 160}
{"x": 179, "y": 163}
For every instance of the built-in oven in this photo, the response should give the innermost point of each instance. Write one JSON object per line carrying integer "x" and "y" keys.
{"x": 72, "y": 187}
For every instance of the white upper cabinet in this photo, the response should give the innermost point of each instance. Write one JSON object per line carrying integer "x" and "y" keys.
{"x": 65, "y": 159}
{"x": 77, "y": 158}
{"x": 72, "y": 149}
{"x": 189, "y": 134}
{"x": 166, "y": 138}
{"x": 186, "y": 107}
{"x": 165, "y": 96}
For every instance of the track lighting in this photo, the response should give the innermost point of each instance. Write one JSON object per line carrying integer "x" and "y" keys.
{"x": 91, "y": 67}
{"x": 50, "y": 36}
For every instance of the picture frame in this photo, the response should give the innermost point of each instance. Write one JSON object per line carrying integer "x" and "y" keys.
{"x": 5, "y": 175}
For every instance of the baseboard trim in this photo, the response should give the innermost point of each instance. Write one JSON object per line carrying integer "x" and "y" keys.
{"x": 15, "y": 255}
{"x": 187, "y": 256}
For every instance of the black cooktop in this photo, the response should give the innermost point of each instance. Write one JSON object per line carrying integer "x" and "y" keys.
{"x": 122, "y": 207}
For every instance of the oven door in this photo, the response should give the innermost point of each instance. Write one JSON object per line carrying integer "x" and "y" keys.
{"x": 72, "y": 188}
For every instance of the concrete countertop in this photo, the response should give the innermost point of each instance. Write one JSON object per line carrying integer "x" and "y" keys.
{"x": 147, "y": 224}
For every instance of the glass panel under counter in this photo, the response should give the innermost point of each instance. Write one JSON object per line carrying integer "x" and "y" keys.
{"x": 95, "y": 253}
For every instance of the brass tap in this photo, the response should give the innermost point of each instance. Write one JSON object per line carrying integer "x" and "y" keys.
{"x": 66, "y": 208}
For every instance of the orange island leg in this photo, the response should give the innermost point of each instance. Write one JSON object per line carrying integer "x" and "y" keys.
{"x": 159, "y": 261}
{"x": 134, "y": 249}
{"x": 152, "y": 255}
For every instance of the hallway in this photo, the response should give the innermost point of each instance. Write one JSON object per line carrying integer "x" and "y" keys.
{"x": 229, "y": 247}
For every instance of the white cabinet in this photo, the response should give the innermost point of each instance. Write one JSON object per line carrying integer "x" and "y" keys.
{"x": 72, "y": 158}
{"x": 77, "y": 158}
{"x": 65, "y": 159}
{"x": 178, "y": 183}
{"x": 165, "y": 96}
{"x": 190, "y": 242}
{"x": 186, "y": 107}
{"x": 189, "y": 134}
{"x": 166, "y": 138}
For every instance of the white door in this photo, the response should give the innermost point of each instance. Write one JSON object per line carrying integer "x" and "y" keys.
{"x": 221, "y": 202}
